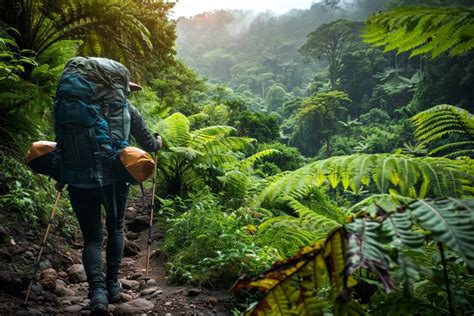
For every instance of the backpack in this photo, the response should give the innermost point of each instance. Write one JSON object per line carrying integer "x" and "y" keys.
{"x": 92, "y": 121}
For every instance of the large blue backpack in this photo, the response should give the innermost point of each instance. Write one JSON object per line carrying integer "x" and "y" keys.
{"x": 92, "y": 121}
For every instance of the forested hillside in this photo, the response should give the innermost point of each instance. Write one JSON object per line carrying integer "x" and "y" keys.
{"x": 316, "y": 162}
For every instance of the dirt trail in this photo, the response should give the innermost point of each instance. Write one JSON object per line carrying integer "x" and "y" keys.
{"x": 63, "y": 290}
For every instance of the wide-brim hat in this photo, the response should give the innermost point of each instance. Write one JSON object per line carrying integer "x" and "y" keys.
{"x": 134, "y": 87}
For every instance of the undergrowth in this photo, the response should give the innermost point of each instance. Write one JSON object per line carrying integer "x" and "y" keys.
{"x": 210, "y": 246}
{"x": 27, "y": 199}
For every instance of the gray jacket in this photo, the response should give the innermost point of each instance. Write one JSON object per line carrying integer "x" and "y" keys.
{"x": 140, "y": 132}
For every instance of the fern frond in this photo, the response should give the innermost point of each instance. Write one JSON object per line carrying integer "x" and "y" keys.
{"x": 450, "y": 222}
{"x": 285, "y": 234}
{"x": 236, "y": 183}
{"x": 409, "y": 177}
{"x": 292, "y": 287}
{"x": 186, "y": 152}
{"x": 414, "y": 177}
{"x": 175, "y": 130}
{"x": 224, "y": 144}
{"x": 250, "y": 161}
{"x": 383, "y": 200}
{"x": 206, "y": 134}
{"x": 422, "y": 30}
{"x": 384, "y": 173}
{"x": 442, "y": 120}
{"x": 454, "y": 149}
{"x": 361, "y": 170}
{"x": 316, "y": 222}
{"x": 461, "y": 153}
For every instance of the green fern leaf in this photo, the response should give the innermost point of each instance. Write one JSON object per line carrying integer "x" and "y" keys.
{"x": 365, "y": 251}
{"x": 423, "y": 30}
{"x": 450, "y": 222}
{"x": 175, "y": 130}
{"x": 411, "y": 177}
{"x": 442, "y": 120}
{"x": 384, "y": 173}
{"x": 206, "y": 134}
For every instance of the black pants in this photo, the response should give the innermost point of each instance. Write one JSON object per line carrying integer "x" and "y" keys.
{"x": 86, "y": 204}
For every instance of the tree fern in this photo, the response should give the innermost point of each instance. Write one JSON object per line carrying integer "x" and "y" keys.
{"x": 423, "y": 30}
{"x": 125, "y": 30}
{"x": 208, "y": 155}
{"x": 441, "y": 121}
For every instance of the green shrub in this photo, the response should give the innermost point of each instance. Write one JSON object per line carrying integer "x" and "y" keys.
{"x": 209, "y": 246}
{"x": 29, "y": 198}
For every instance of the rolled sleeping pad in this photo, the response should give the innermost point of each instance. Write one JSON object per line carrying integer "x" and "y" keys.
{"x": 41, "y": 158}
{"x": 134, "y": 165}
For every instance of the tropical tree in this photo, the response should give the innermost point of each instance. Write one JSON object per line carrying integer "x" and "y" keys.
{"x": 331, "y": 41}
{"x": 116, "y": 29}
{"x": 324, "y": 110}
{"x": 178, "y": 87}
{"x": 275, "y": 97}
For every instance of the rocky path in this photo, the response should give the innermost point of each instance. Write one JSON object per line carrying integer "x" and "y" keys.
{"x": 62, "y": 290}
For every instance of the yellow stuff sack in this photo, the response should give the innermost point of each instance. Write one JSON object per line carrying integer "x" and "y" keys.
{"x": 134, "y": 165}
{"x": 41, "y": 159}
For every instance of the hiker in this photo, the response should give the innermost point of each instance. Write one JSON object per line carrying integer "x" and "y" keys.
{"x": 103, "y": 85}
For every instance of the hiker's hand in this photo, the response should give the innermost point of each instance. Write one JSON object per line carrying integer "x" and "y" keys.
{"x": 158, "y": 139}
{"x": 59, "y": 186}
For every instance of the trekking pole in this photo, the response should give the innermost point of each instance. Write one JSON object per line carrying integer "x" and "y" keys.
{"x": 37, "y": 261}
{"x": 150, "y": 226}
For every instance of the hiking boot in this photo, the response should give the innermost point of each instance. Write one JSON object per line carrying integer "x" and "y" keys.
{"x": 114, "y": 288}
{"x": 99, "y": 302}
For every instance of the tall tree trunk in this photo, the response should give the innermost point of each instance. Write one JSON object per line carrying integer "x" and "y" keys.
{"x": 328, "y": 146}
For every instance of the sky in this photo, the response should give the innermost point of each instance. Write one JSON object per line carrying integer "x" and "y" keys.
{"x": 192, "y": 7}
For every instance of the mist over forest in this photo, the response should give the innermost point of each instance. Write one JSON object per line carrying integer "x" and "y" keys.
{"x": 214, "y": 42}
{"x": 258, "y": 56}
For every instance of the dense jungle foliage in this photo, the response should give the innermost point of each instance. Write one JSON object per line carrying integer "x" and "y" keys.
{"x": 335, "y": 141}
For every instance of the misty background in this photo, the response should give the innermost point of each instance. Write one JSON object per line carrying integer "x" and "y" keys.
{"x": 252, "y": 51}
